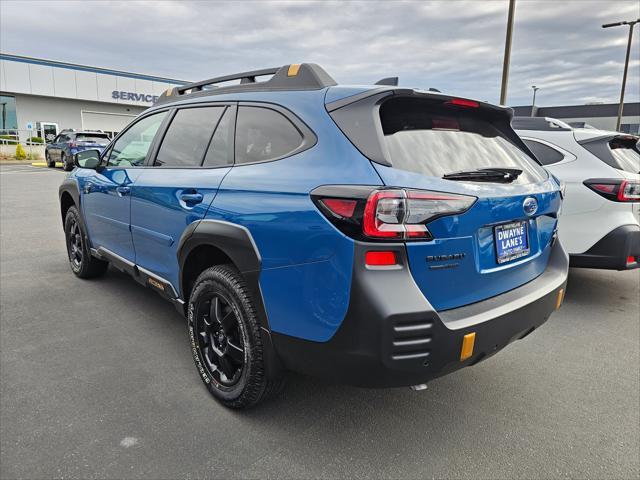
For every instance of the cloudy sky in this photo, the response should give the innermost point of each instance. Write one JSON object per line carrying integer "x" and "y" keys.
{"x": 455, "y": 46}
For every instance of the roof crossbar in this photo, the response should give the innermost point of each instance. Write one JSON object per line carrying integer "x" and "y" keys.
{"x": 304, "y": 76}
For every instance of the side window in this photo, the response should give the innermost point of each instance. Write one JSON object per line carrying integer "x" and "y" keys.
{"x": 264, "y": 134}
{"x": 132, "y": 147}
{"x": 220, "y": 152}
{"x": 544, "y": 153}
{"x": 188, "y": 136}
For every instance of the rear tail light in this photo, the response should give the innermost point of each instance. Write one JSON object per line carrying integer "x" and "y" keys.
{"x": 387, "y": 214}
{"x": 615, "y": 189}
{"x": 72, "y": 145}
{"x": 631, "y": 260}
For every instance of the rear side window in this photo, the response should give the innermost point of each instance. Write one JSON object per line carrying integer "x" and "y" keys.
{"x": 544, "y": 153}
{"x": 220, "y": 151}
{"x": 620, "y": 152}
{"x": 263, "y": 134}
{"x": 436, "y": 140}
{"x": 188, "y": 136}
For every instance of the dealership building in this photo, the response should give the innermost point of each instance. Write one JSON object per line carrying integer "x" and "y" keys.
{"x": 41, "y": 97}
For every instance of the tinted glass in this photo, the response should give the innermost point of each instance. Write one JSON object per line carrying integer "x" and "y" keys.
{"x": 101, "y": 139}
{"x": 220, "y": 150}
{"x": 625, "y": 152}
{"x": 544, "y": 153}
{"x": 8, "y": 118}
{"x": 264, "y": 134}
{"x": 132, "y": 147}
{"x": 188, "y": 136}
{"x": 435, "y": 140}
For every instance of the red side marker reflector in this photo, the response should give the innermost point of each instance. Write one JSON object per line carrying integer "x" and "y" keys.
{"x": 380, "y": 258}
{"x": 343, "y": 208}
{"x": 461, "y": 102}
{"x": 631, "y": 259}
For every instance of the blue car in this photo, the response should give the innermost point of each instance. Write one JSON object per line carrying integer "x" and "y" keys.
{"x": 373, "y": 235}
{"x": 70, "y": 142}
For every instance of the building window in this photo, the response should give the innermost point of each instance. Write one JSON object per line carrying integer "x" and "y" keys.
{"x": 8, "y": 118}
{"x": 633, "y": 128}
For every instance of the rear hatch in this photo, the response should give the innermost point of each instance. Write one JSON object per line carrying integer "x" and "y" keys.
{"x": 91, "y": 140}
{"x": 441, "y": 144}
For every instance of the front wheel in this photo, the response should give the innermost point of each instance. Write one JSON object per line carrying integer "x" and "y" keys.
{"x": 50, "y": 163}
{"x": 225, "y": 339}
{"x": 82, "y": 263}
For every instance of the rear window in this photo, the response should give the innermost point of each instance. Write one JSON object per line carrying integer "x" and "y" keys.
{"x": 625, "y": 152}
{"x": 619, "y": 152}
{"x": 101, "y": 139}
{"x": 435, "y": 140}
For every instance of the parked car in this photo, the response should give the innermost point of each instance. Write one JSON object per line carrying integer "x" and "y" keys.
{"x": 377, "y": 236}
{"x": 70, "y": 142}
{"x": 600, "y": 223}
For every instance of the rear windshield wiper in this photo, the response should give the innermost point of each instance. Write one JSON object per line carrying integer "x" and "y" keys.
{"x": 498, "y": 175}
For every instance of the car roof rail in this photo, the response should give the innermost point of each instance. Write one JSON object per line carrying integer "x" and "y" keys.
{"x": 302, "y": 76}
{"x": 539, "y": 123}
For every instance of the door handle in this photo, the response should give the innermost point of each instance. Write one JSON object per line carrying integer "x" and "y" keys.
{"x": 191, "y": 198}
{"x": 122, "y": 191}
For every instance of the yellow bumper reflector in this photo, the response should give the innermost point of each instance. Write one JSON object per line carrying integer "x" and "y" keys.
{"x": 293, "y": 70}
{"x": 560, "y": 298}
{"x": 467, "y": 346}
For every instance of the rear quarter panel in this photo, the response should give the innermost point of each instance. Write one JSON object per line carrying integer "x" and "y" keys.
{"x": 306, "y": 263}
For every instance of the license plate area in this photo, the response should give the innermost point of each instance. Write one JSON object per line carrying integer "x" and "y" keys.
{"x": 511, "y": 240}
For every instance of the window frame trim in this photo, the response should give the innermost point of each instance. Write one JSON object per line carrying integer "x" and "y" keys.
{"x": 151, "y": 159}
{"x": 309, "y": 138}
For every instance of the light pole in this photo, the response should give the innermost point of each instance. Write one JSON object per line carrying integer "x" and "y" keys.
{"x": 507, "y": 53}
{"x": 533, "y": 102}
{"x": 626, "y": 64}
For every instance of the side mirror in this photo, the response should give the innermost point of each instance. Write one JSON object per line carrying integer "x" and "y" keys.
{"x": 87, "y": 159}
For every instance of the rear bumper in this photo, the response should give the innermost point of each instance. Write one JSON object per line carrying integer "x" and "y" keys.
{"x": 391, "y": 336}
{"x": 612, "y": 251}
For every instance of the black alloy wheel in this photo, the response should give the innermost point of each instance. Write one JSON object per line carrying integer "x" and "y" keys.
{"x": 227, "y": 341}
{"x": 220, "y": 339}
{"x": 82, "y": 263}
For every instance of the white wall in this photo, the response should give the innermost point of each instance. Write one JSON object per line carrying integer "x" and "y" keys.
{"x": 52, "y": 81}
{"x": 69, "y": 113}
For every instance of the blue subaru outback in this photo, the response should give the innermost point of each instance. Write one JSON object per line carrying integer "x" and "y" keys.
{"x": 372, "y": 235}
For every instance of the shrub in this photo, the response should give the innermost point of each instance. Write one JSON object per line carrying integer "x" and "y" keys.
{"x": 8, "y": 140}
{"x": 20, "y": 153}
{"x": 35, "y": 140}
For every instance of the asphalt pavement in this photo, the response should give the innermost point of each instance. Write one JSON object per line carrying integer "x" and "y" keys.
{"x": 96, "y": 381}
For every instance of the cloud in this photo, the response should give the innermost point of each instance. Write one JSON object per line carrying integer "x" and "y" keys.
{"x": 456, "y": 46}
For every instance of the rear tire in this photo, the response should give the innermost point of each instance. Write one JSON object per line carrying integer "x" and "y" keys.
{"x": 226, "y": 341}
{"x": 65, "y": 164}
{"x": 47, "y": 158}
{"x": 82, "y": 263}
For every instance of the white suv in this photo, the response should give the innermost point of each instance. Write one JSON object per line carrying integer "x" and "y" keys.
{"x": 600, "y": 222}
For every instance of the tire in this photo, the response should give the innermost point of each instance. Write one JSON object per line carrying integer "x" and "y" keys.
{"x": 47, "y": 158}
{"x": 65, "y": 164}
{"x": 82, "y": 263}
{"x": 225, "y": 338}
